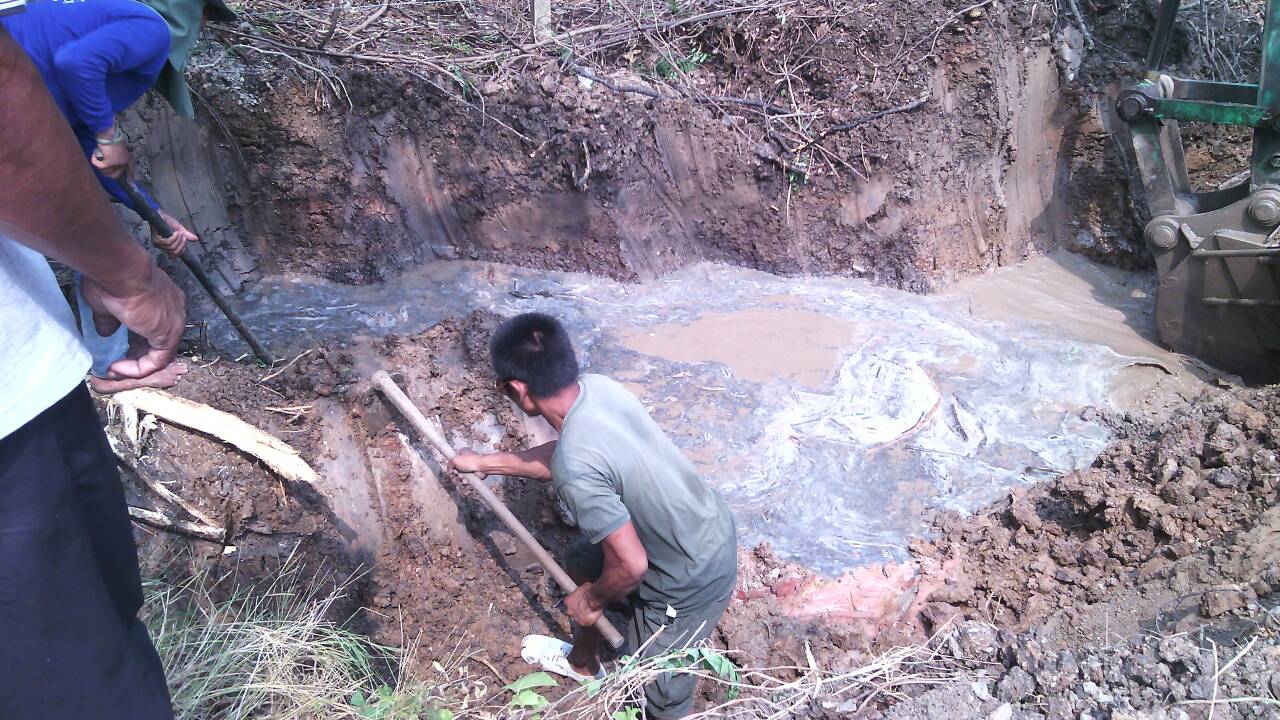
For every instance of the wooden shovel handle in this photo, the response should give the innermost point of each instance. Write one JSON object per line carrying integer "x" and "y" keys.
{"x": 396, "y": 396}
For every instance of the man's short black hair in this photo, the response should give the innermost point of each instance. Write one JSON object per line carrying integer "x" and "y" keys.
{"x": 534, "y": 349}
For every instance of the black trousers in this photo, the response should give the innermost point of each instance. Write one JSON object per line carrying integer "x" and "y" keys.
{"x": 670, "y": 695}
{"x": 71, "y": 644}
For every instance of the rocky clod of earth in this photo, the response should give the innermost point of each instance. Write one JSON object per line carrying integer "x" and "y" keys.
{"x": 1176, "y": 677}
{"x": 1149, "y": 510}
{"x": 1152, "y": 678}
{"x": 1144, "y": 587}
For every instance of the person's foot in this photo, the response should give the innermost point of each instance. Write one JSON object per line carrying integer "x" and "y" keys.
{"x": 166, "y": 377}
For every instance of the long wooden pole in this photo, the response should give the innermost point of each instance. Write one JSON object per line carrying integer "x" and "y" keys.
{"x": 396, "y": 396}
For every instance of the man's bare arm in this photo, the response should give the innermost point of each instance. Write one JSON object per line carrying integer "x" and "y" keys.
{"x": 625, "y": 564}
{"x": 50, "y": 202}
{"x": 532, "y": 463}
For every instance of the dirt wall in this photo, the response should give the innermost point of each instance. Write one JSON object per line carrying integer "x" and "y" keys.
{"x": 562, "y": 172}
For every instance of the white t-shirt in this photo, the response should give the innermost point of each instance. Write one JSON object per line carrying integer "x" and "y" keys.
{"x": 41, "y": 356}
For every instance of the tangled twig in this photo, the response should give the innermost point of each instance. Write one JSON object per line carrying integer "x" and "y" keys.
{"x": 865, "y": 119}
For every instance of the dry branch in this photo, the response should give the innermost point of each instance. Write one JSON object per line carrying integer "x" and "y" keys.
{"x": 767, "y": 108}
{"x": 160, "y": 521}
{"x": 859, "y": 122}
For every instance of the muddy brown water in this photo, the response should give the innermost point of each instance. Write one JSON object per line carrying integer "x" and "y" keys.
{"x": 1094, "y": 303}
{"x": 831, "y": 413}
{"x": 759, "y": 344}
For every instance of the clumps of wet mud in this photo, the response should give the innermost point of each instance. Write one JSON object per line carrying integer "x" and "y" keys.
{"x": 424, "y": 560}
{"x": 1159, "y": 494}
{"x": 268, "y": 522}
{"x": 1174, "y": 532}
{"x": 446, "y": 564}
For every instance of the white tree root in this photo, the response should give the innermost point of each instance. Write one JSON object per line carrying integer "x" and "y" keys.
{"x": 274, "y": 453}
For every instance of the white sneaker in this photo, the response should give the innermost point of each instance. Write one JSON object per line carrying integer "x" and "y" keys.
{"x": 552, "y": 655}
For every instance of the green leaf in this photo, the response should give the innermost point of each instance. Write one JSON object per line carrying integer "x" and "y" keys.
{"x": 357, "y": 700}
{"x": 735, "y": 685}
{"x": 627, "y": 713}
{"x": 593, "y": 687}
{"x": 532, "y": 680}
{"x": 440, "y": 715}
{"x": 681, "y": 659}
{"x": 529, "y": 699}
{"x": 717, "y": 663}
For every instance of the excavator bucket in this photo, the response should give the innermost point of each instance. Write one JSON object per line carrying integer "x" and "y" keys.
{"x": 1217, "y": 253}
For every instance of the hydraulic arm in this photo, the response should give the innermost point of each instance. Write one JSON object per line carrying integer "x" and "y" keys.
{"x": 1218, "y": 252}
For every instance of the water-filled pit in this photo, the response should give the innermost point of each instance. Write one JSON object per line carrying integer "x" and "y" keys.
{"x": 830, "y": 412}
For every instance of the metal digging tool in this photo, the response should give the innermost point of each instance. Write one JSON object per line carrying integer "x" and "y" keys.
{"x": 1216, "y": 252}
{"x": 396, "y": 396}
{"x": 162, "y": 228}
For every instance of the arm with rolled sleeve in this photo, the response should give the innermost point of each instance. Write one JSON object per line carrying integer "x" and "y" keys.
{"x": 605, "y": 520}
{"x": 132, "y": 44}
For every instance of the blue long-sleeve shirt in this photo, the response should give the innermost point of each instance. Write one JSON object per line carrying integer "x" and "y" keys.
{"x": 97, "y": 58}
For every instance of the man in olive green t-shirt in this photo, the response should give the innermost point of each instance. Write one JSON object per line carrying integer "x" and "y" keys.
{"x": 655, "y": 533}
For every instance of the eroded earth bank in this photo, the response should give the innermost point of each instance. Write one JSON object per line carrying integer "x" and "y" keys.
{"x": 1077, "y": 523}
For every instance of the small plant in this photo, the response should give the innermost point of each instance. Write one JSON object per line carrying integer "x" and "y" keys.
{"x": 464, "y": 85}
{"x": 712, "y": 660}
{"x": 524, "y": 694}
{"x": 797, "y": 175}
{"x": 386, "y": 704}
{"x": 668, "y": 69}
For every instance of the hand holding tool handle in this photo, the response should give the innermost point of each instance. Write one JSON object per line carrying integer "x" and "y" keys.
{"x": 396, "y": 396}
{"x": 161, "y": 228}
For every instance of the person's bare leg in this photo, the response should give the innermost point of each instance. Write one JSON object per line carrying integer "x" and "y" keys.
{"x": 585, "y": 655}
{"x": 166, "y": 377}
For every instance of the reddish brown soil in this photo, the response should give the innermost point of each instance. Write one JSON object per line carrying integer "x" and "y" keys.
{"x": 445, "y": 573}
{"x": 1160, "y": 493}
{"x": 402, "y": 174}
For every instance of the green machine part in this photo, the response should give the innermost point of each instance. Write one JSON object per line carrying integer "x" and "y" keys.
{"x": 1217, "y": 252}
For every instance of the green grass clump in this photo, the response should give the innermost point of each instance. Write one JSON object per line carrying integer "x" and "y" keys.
{"x": 271, "y": 651}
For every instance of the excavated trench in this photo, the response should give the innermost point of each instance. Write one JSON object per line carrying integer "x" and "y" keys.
{"x": 833, "y": 413}
{"x": 830, "y": 412}
{"x": 777, "y": 333}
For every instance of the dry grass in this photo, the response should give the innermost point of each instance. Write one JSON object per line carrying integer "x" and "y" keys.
{"x": 456, "y": 44}
{"x": 273, "y": 651}
{"x": 770, "y": 693}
